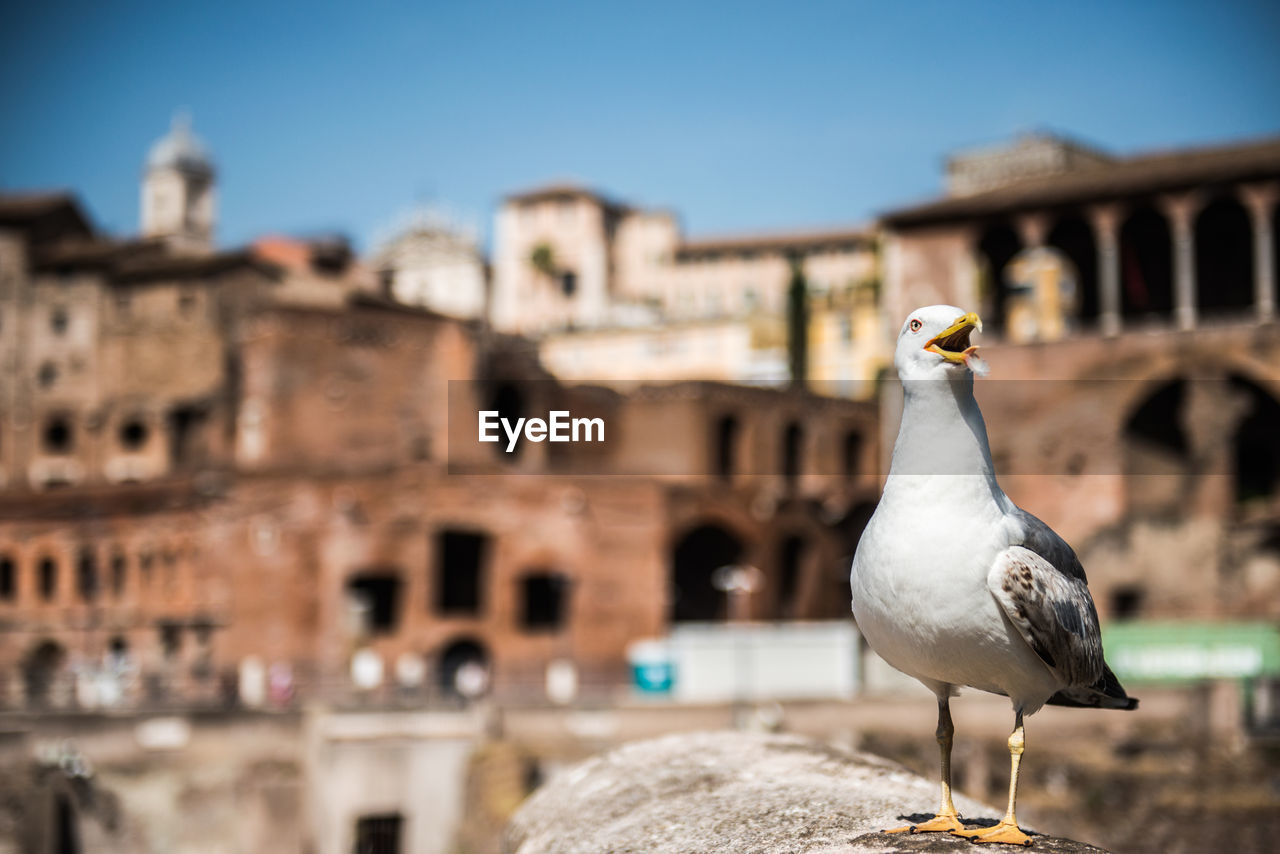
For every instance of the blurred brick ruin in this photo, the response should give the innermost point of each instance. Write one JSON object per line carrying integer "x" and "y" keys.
{"x": 238, "y": 493}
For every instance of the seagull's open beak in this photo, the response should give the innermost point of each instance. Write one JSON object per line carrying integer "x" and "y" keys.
{"x": 952, "y": 343}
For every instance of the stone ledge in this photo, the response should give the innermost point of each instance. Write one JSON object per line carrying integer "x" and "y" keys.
{"x": 746, "y": 793}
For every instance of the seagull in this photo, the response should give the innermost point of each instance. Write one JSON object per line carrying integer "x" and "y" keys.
{"x": 955, "y": 585}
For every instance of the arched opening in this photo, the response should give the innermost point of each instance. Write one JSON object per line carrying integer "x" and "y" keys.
{"x": 1256, "y": 455}
{"x": 40, "y": 672}
{"x": 544, "y": 599}
{"x": 995, "y": 249}
{"x": 1157, "y": 449}
{"x": 792, "y": 439}
{"x": 791, "y": 553}
{"x": 463, "y": 670}
{"x": 509, "y": 403}
{"x": 1073, "y": 237}
{"x": 726, "y": 447}
{"x": 1224, "y": 258}
{"x": 47, "y": 578}
{"x": 1146, "y": 266}
{"x": 695, "y": 558}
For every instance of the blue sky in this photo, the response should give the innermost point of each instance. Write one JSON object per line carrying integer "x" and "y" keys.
{"x": 742, "y": 116}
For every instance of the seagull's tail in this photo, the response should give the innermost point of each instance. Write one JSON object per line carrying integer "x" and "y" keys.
{"x": 1106, "y": 693}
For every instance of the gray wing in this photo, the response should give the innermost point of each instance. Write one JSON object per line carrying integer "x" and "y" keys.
{"x": 1041, "y": 587}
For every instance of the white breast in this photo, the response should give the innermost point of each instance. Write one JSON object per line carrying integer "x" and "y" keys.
{"x": 920, "y": 596}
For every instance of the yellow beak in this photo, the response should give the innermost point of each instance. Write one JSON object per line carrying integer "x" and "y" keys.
{"x": 952, "y": 343}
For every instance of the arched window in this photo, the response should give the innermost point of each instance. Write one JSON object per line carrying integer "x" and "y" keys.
{"x": 87, "y": 575}
{"x": 8, "y": 579}
{"x": 47, "y": 578}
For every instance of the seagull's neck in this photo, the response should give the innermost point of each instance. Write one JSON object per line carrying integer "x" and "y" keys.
{"x": 942, "y": 433}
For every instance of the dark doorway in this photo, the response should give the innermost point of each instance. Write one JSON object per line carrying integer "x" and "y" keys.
{"x": 695, "y": 558}
{"x": 379, "y": 834}
{"x": 186, "y": 437}
{"x": 1146, "y": 266}
{"x": 40, "y": 671}
{"x": 1224, "y": 258}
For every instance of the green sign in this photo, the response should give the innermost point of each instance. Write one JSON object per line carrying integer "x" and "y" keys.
{"x": 1171, "y": 651}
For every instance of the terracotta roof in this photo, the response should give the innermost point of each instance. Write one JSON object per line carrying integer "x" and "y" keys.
{"x": 1124, "y": 178}
{"x": 776, "y": 242}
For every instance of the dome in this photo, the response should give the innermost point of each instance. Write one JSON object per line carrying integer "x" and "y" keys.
{"x": 180, "y": 149}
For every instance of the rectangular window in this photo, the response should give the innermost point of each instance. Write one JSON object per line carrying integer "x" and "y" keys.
{"x": 543, "y": 602}
{"x": 377, "y": 597}
{"x": 459, "y": 572}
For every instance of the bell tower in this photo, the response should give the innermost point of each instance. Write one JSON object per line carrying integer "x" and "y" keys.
{"x": 178, "y": 198}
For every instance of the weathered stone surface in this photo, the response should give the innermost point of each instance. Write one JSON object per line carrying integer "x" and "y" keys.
{"x": 736, "y": 792}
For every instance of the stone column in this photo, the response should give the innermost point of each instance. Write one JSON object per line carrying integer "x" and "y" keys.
{"x": 1181, "y": 211}
{"x": 1260, "y": 200}
{"x": 1105, "y": 220}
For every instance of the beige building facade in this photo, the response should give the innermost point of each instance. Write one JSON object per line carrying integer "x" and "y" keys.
{"x": 618, "y": 294}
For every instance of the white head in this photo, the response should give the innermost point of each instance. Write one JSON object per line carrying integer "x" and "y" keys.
{"x": 934, "y": 344}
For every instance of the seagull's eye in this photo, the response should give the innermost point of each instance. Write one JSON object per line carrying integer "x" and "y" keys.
{"x": 915, "y": 325}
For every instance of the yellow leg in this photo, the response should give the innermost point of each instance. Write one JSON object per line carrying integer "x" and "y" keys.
{"x": 947, "y": 818}
{"x": 1007, "y": 831}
